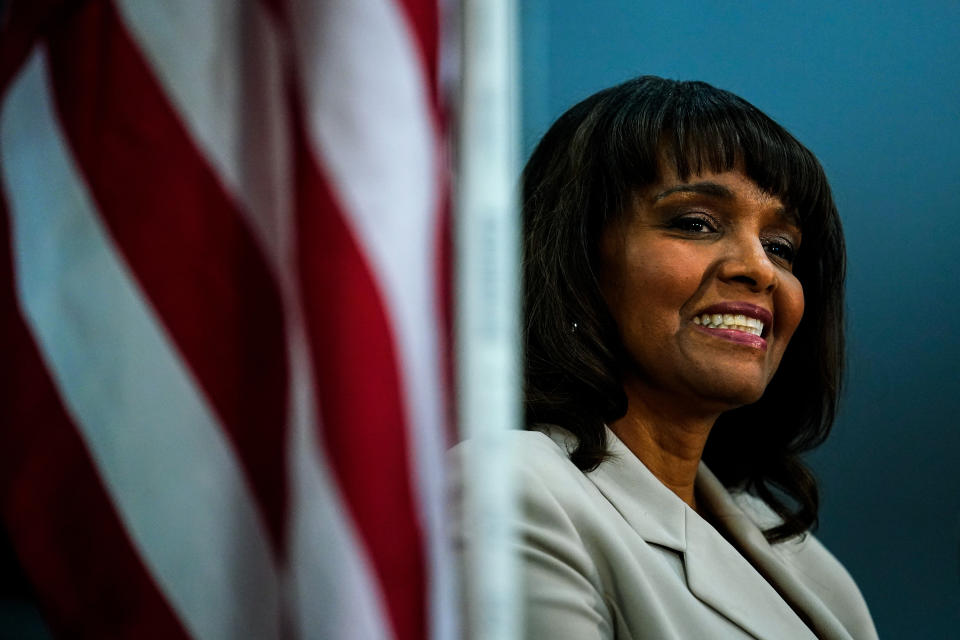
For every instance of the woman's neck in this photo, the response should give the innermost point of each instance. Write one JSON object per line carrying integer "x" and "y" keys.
{"x": 668, "y": 438}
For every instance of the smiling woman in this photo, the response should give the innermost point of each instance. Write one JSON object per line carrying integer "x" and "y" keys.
{"x": 683, "y": 272}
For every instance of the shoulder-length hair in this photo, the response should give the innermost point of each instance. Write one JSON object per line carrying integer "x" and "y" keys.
{"x": 580, "y": 178}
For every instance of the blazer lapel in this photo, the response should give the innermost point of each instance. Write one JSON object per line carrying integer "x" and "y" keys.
{"x": 753, "y": 545}
{"x": 724, "y": 579}
{"x": 716, "y": 572}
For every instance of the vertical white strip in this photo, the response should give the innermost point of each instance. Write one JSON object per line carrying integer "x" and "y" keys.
{"x": 488, "y": 311}
{"x": 165, "y": 460}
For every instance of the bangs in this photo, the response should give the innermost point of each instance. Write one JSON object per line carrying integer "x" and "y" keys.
{"x": 701, "y": 128}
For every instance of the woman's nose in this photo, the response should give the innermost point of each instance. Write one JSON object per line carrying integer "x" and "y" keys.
{"x": 748, "y": 264}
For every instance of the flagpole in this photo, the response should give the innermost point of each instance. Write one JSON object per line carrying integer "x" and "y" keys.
{"x": 488, "y": 307}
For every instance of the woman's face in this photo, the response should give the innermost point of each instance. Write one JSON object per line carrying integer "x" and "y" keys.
{"x": 698, "y": 276}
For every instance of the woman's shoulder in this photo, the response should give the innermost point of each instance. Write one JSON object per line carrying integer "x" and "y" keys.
{"x": 539, "y": 456}
{"x": 804, "y": 550}
{"x": 811, "y": 563}
{"x": 553, "y": 513}
{"x": 549, "y": 489}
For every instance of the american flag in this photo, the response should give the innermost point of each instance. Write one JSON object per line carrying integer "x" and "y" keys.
{"x": 222, "y": 317}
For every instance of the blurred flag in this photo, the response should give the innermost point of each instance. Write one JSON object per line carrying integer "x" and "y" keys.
{"x": 222, "y": 256}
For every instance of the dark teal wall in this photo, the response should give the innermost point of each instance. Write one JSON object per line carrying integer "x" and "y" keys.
{"x": 873, "y": 88}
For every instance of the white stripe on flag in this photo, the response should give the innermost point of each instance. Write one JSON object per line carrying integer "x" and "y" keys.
{"x": 164, "y": 459}
{"x": 220, "y": 63}
{"x": 371, "y": 128}
{"x": 334, "y": 592}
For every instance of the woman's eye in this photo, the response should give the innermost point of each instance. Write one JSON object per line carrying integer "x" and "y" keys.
{"x": 693, "y": 224}
{"x": 781, "y": 249}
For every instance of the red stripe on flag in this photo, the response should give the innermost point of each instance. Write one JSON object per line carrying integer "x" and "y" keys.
{"x": 278, "y": 10}
{"x": 424, "y": 22}
{"x": 364, "y": 425}
{"x": 86, "y": 573}
{"x": 183, "y": 238}
{"x": 22, "y": 24}
{"x": 444, "y": 288}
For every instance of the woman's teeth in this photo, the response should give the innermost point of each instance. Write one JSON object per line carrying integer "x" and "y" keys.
{"x": 732, "y": 321}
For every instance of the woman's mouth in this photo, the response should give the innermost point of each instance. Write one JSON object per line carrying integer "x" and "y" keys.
{"x": 740, "y": 322}
{"x": 744, "y": 334}
{"x": 730, "y": 322}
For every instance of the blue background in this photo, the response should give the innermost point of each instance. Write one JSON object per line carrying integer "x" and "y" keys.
{"x": 873, "y": 88}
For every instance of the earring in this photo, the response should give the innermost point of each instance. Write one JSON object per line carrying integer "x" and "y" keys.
{"x": 573, "y": 327}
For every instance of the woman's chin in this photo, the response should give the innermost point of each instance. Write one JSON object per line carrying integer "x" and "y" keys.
{"x": 726, "y": 394}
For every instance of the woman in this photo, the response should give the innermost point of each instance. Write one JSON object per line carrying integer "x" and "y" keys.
{"x": 683, "y": 268}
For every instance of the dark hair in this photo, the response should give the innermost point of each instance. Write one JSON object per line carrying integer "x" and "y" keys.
{"x": 581, "y": 177}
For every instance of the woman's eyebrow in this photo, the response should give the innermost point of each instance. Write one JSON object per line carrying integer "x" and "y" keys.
{"x": 790, "y": 216}
{"x": 706, "y": 188}
{"x": 718, "y": 190}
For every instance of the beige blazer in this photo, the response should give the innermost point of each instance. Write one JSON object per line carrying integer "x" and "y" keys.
{"x": 615, "y": 554}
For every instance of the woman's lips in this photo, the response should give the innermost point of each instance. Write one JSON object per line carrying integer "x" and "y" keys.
{"x": 739, "y": 322}
{"x": 735, "y": 335}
